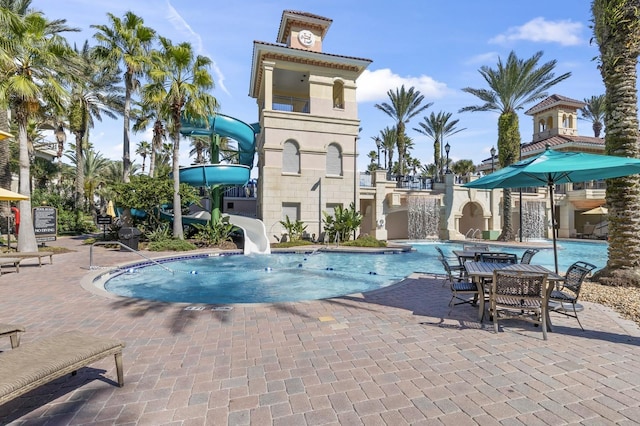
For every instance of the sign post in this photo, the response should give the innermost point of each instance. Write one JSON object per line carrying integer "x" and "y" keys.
{"x": 104, "y": 220}
{"x": 45, "y": 223}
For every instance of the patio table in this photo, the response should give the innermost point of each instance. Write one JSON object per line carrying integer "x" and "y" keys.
{"x": 478, "y": 271}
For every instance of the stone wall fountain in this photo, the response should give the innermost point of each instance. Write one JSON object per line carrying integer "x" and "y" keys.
{"x": 534, "y": 220}
{"x": 424, "y": 217}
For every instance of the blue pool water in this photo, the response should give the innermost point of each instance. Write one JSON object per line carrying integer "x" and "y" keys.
{"x": 295, "y": 277}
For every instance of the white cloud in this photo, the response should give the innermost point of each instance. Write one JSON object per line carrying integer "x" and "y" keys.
{"x": 565, "y": 32}
{"x": 483, "y": 59}
{"x": 194, "y": 38}
{"x": 373, "y": 85}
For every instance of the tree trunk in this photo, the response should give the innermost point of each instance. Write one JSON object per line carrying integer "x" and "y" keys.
{"x": 617, "y": 31}
{"x": 79, "y": 195}
{"x": 177, "y": 203}
{"x": 508, "y": 149}
{"x": 126, "y": 154}
{"x": 26, "y": 236}
{"x": 5, "y": 156}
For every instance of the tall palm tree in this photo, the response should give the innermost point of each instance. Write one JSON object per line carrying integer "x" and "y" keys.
{"x": 129, "y": 41}
{"x": 388, "y": 136}
{"x": 512, "y": 85}
{"x": 593, "y": 111}
{"x": 617, "y": 32}
{"x": 151, "y": 113}
{"x": 182, "y": 80}
{"x": 143, "y": 150}
{"x": 438, "y": 127}
{"x": 31, "y": 79}
{"x": 404, "y": 105}
{"x": 199, "y": 146}
{"x": 94, "y": 93}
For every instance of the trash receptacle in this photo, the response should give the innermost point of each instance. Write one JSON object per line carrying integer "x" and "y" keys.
{"x": 130, "y": 237}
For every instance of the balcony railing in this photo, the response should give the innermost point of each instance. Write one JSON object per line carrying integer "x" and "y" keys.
{"x": 290, "y": 104}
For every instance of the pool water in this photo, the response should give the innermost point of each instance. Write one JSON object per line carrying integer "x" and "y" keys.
{"x": 294, "y": 276}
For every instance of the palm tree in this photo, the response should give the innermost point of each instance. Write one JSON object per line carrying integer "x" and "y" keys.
{"x": 150, "y": 112}
{"x": 94, "y": 92}
{"x": 405, "y": 104}
{"x": 512, "y": 85}
{"x": 593, "y": 111}
{"x": 181, "y": 80}
{"x": 388, "y": 136}
{"x": 438, "y": 127}
{"x": 143, "y": 149}
{"x": 200, "y": 144}
{"x": 463, "y": 167}
{"x": 129, "y": 41}
{"x": 32, "y": 67}
{"x": 617, "y": 32}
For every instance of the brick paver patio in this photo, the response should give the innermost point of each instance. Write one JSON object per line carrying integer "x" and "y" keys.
{"x": 393, "y": 357}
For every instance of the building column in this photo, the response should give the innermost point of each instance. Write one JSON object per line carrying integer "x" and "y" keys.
{"x": 380, "y": 225}
{"x": 267, "y": 68}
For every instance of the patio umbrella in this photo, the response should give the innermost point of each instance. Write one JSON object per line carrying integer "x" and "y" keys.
{"x": 601, "y": 212}
{"x": 110, "y": 210}
{"x": 554, "y": 167}
{"x": 6, "y": 195}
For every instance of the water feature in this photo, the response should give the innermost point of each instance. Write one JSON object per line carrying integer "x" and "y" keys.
{"x": 534, "y": 220}
{"x": 424, "y": 217}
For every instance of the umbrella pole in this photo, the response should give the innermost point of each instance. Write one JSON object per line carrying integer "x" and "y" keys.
{"x": 553, "y": 227}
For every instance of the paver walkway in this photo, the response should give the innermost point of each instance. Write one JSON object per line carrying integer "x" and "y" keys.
{"x": 392, "y": 357}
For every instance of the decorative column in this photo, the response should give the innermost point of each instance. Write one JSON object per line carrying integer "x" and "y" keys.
{"x": 267, "y": 69}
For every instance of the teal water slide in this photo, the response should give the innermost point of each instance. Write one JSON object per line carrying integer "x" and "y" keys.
{"x": 215, "y": 176}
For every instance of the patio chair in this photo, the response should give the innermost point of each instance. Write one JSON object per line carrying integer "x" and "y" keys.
{"x": 528, "y": 255}
{"x": 519, "y": 295}
{"x": 460, "y": 286}
{"x": 564, "y": 299}
{"x": 456, "y": 267}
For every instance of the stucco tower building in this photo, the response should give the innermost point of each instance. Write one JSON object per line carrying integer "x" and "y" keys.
{"x": 308, "y": 116}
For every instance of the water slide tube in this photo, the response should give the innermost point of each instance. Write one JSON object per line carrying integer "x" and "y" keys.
{"x": 255, "y": 234}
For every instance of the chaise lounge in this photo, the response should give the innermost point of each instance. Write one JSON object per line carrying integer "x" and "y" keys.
{"x": 34, "y": 364}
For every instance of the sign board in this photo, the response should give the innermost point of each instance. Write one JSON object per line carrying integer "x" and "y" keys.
{"x": 45, "y": 223}
{"x": 104, "y": 220}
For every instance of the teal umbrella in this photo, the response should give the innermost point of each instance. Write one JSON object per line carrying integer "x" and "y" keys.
{"x": 554, "y": 167}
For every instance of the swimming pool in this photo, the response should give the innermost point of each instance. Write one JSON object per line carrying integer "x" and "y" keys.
{"x": 226, "y": 279}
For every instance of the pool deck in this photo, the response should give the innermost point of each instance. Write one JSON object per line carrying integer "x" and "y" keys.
{"x": 392, "y": 357}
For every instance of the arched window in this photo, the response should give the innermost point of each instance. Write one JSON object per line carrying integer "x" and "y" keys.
{"x": 541, "y": 125}
{"x": 334, "y": 160}
{"x": 338, "y": 94}
{"x": 290, "y": 157}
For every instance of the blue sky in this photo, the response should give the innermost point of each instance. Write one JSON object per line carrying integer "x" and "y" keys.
{"x": 436, "y": 46}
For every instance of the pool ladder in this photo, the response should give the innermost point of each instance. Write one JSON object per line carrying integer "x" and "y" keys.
{"x": 104, "y": 243}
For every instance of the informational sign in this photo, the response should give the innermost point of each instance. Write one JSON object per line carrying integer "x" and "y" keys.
{"x": 45, "y": 223}
{"x": 104, "y": 220}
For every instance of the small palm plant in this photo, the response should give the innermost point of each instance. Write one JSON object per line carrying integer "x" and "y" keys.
{"x": 342, "y": 223}
{"x": 294, "y": 229}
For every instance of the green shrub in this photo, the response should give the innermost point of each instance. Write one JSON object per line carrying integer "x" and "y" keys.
{"x": 365, "y": 241}
{"x": 170, "y": 245}
{"x": 294, "y": 229}
{"x": 295, "y": 243}
{"x": 214, "y": 232}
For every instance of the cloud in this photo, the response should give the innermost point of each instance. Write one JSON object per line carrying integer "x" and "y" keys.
{"x": 373, "y": 85}
{"x": 483, "y": 59}
{"x": 194, "y": 38}
{"x": 565, "y": 32}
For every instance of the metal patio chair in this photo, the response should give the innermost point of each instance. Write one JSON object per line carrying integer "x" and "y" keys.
{"x": 564, "y": 299}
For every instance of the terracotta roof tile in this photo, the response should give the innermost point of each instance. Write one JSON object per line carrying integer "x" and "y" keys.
{"x": 552, "y": 101}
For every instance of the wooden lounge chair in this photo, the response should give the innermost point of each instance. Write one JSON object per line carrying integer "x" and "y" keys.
{"x": 12, "y": 330}
{"x": 29, "y": 255}
{"x": 10, "y": 261}
{"x": 34, "y": 364}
